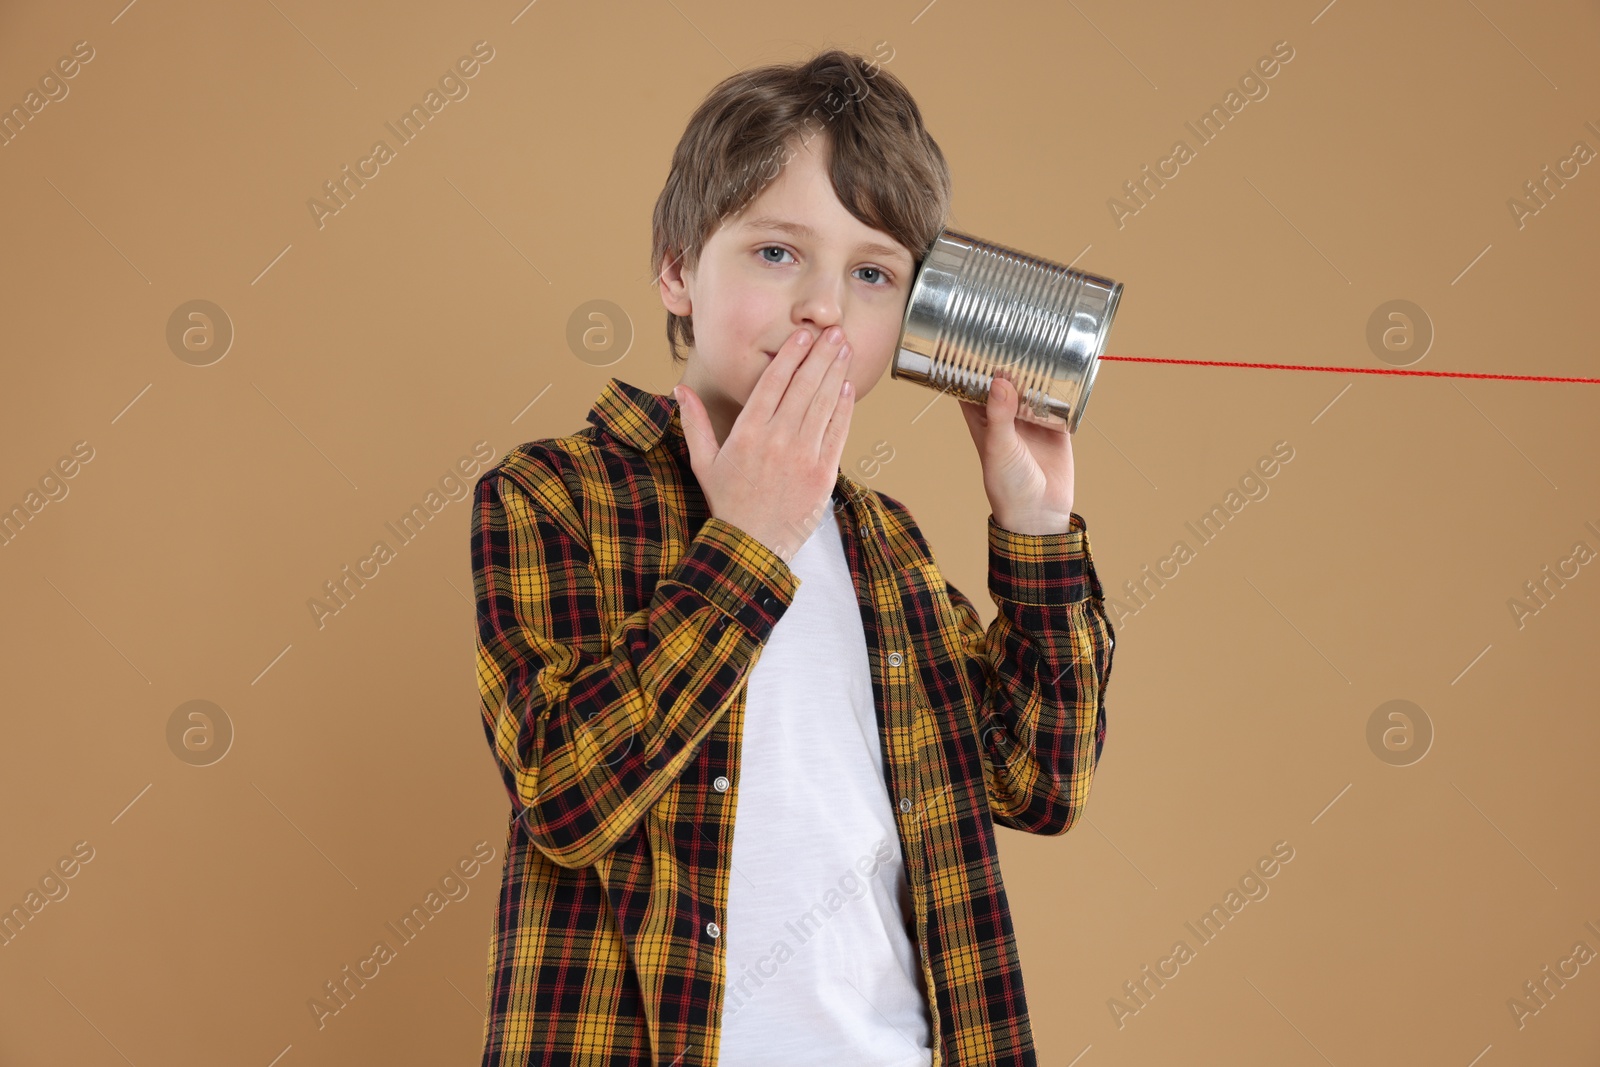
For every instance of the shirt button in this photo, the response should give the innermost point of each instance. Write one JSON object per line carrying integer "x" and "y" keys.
{"x": 713, "y": 930}
{"x": 721, "y": 784}
{"x": 894, "y": 659}
{"x": 905, "y": 803}
{"x": 769, "y": 603}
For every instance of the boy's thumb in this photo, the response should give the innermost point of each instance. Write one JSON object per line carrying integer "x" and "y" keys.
{"x": 696, "y": 427}
{"x": 1002, "y": 408}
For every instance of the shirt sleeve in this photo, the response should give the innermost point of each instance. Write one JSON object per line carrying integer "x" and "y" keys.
{"x": 590, "y": 724}
{"x": 1039, "y": 673}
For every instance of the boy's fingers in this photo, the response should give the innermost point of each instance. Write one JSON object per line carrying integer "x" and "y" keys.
{"x": 814, "y": 380}
{"x": 803, "y": 389}
{"x": 825, "y": 405}
{"x": 774, "y": 381}
{"x": 838, "y": 430}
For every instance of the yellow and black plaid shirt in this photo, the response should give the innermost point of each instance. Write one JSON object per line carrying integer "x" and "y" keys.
{"x": 617, "y": 622}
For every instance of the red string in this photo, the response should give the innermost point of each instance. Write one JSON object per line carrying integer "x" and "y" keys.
{"x": 1356, "y": 370}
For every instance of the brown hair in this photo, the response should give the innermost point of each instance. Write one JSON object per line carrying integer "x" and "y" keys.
{"x": 885, "y": 168}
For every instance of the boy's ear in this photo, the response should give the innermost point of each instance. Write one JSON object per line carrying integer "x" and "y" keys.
{"x": 674, "y": 285}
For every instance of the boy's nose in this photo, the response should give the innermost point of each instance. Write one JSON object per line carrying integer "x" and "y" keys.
{"x": 819, "y": 305}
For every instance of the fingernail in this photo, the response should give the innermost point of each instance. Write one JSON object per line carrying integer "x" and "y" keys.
{"x": 803, "y": 337}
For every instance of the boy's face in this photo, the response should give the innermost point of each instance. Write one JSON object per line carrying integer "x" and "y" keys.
{"x": 761, "y": 277}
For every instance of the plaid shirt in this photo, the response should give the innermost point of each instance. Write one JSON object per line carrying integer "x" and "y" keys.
{"x": 617, "y": 622}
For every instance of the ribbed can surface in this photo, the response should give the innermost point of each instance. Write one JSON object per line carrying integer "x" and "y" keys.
{"x": 977, "y": 308}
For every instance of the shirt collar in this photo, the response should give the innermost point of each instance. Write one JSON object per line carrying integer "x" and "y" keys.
{"x": 641, "y": 420}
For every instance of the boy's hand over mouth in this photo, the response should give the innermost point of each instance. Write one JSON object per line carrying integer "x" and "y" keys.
{"x": 773, "y": 475}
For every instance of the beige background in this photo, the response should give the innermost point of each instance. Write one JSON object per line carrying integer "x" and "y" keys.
{"x": 431, "y": 313}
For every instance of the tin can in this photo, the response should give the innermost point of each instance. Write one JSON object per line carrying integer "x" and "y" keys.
{"x": 977, "y": 309}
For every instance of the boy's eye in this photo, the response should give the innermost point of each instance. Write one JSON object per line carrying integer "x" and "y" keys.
{"x": 878, "y": 277}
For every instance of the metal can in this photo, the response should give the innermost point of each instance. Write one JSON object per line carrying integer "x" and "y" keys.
{"x": 978, "y": 309}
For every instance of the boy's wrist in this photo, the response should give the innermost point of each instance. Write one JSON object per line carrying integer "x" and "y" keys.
{"x": 1034, "y": 525}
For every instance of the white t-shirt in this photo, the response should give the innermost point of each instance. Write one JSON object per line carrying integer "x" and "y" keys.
{"x": 820, "y": 969}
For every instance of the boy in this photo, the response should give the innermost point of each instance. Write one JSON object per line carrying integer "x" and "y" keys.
{"x": 755, "y": 743}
